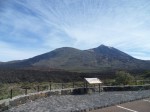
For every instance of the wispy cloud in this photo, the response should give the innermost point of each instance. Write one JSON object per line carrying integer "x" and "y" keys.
{"x": 38, "y": 26}
{"x": 9, "y": 52}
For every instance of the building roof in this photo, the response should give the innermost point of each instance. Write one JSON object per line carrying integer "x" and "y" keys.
{"x": 93, "y": 80}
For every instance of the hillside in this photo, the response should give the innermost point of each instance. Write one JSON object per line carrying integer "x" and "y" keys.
{"x": 91, "y": 60}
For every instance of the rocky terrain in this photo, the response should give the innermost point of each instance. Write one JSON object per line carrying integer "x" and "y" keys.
{"x": 68, "y": 103}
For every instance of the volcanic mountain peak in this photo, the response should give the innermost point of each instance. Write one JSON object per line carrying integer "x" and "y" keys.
{"x": 110, "y": 52}
{"x": 104, "y": 46}
{"x": 95, "y": 59}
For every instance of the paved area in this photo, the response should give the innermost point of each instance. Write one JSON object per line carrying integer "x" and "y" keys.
{"x": 135, "y": 106}
{"x": 68, "y": 103}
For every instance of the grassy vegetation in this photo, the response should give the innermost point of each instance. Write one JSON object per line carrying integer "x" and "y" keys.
{"x": 122, "y": 78}
{"x": 19, "y": 88}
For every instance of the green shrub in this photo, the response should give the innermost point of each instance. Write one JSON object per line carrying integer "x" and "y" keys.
{"x": 123, "y": 78}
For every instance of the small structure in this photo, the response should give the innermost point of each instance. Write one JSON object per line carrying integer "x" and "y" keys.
{"x": 93, "y": 81}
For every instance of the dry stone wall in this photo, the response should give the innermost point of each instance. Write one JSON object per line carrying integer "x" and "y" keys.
{"x": 18, "y": 100}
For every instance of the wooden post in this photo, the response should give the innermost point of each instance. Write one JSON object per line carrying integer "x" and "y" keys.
{"x": 62, "y": 85}
{"x": 73, "y": 84}
{"x": 99, "y": 88}
{"x": 84, "y": 84}
{"x": 26, "y": 91}
{"x": 38, "y": 88}
{"x": 50, "y": 86}
{"x": 11, "y": 93}
{"x": 84, "y": 87}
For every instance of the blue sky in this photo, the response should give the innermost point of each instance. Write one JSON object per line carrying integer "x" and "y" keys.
{"x": 32, "y": 27}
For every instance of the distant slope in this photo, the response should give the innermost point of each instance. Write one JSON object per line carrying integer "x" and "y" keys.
{"x": 92, "y": 60}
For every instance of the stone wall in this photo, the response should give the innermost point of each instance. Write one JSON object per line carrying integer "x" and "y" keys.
{"x": 18, "y": 100}
{"x": 126, "y": 88}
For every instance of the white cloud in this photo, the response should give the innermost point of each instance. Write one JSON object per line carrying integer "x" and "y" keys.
{"x": 82, "y": 24}
{"x": 9, "y": 52}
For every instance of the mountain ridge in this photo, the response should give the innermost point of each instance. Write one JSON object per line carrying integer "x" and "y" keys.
{"x": 72, "y": 59}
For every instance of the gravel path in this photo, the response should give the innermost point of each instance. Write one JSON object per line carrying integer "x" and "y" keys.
{"x": 68, "y": 103}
